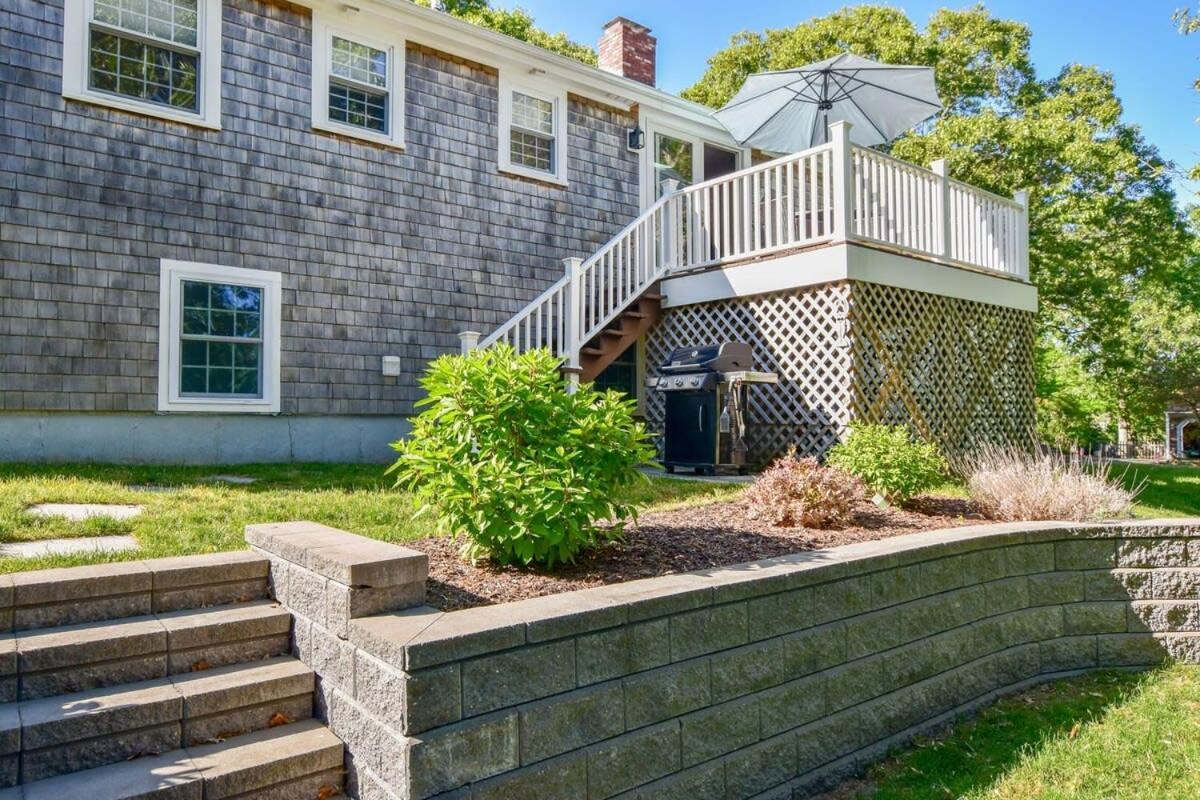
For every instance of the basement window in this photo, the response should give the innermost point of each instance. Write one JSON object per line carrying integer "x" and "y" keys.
{"x": 218, "y": 338}
{"x": 158, "y": 57}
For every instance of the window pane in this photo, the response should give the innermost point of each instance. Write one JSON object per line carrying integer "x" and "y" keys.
{"x": 357, "y": 107}
{"x": 247, "y": 325}
{"x": 246, "y": 355}
{"x": 195, "y": 354}
{"x": 359, "y": 63}
{"x": 195, "y": 295}
{"x": 143, "y": 71}
{"x": 220, "y": 323}
{"x": 528, "y": 150}
{"x": 193, "y": 380}
{"x": 220, "y": 354}
{"x": 533, "y": 113}
{"x": 220, "y": 381}
{"x": 195, "y": 321}
{"x": 673, "y": 159}
{"x": 170, "y": 20}
{"x": 245, "y": 381}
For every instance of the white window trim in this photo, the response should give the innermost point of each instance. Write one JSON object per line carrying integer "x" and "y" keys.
{"x": 172, "y": 274}
{"x": 324, "y": 28}
{"x": 77, "y": 15}
{"x": 554, "y": 94}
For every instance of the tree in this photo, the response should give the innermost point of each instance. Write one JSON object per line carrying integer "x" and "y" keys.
{"x": 1104, "y": 227}
{"x": 1189, "y": 22}
{"x": 518, "y": 24}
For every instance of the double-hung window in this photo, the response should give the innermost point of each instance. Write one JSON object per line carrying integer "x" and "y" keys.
{"x": 219, "y": 338}
{"x": 159, "y": 57}
{"x": 533, "y": 131}
{"x": 358, "y": 83}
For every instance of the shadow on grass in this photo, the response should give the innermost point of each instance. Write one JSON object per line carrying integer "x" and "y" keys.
{"x": 974, "y": 756}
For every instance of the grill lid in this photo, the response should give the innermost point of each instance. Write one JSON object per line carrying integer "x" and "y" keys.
{"x": 709, "y": 358}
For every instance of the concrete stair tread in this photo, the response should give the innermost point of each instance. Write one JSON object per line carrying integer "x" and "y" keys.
{"x": 92, "y": 655}
{"x": 66, "y": 733}
{"x": 217, "y": 771}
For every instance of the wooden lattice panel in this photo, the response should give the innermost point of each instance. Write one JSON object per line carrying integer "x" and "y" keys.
{"x": 957, "y": 372}
{"x": 801, "y": 335}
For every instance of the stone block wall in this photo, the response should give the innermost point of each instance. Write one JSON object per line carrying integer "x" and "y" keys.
{"x": 764, "y": 680}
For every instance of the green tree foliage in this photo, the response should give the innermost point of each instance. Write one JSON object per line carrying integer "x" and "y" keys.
{"x": 1104, "y": 226}
{"x": 1189, "y": 22}
{"x": 504, "y": 456}
{"x": 517, "y": 23}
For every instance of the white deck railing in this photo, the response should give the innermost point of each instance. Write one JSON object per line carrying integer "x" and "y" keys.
{"x": 837, "y": 192}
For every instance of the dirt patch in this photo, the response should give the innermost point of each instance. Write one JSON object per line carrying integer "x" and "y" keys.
{"x": 664, "y": 542}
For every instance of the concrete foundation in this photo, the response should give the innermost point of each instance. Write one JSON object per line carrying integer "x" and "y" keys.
{"x": 197, "y": 438}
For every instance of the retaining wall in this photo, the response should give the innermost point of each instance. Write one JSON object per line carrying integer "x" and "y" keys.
{"x": 763, "y": 680}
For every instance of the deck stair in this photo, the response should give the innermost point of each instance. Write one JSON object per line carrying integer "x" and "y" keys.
{"x": 620, "y": 334}
{"x": 171, "y": 679}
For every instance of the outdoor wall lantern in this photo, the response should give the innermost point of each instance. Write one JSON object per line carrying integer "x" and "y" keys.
{"x": 637, "y": 138}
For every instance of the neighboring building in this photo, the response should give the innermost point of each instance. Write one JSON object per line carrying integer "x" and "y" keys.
{"x": 1182, "y": 433}
{"x": 237, "y": 230}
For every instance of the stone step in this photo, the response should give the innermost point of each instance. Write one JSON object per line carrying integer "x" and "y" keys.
{"x": 76, "y": 658}
{"x": 301, "y": 760}
{"x": 68, "y": 733}
{"x": 46, "y": 598}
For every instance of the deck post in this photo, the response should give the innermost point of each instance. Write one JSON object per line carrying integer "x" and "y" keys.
{"x": 468, "y": 340}
{"x": 1022, "y": 199}
{"x": 843, "y": 180}
{"x": 670, "y": 230}
{"x": 572, "y": 321}
{"x": 942, "y": 170}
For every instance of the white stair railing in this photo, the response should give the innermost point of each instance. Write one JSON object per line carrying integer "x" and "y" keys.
{"x": 831, "y": 193}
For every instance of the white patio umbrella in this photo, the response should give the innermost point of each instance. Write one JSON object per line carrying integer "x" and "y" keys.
{"x": 790, "y": 110}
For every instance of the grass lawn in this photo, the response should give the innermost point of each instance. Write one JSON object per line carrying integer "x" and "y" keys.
{"x": 1107, "y": 736}
{"x": 195, "y": 516}
{"x": 1167, "y": 490}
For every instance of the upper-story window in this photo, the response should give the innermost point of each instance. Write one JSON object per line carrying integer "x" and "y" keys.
{"x": 358, "y": 81}
{"x": 158, "y": 57}
{"x": 219, "y": 339}
{"x": 533, "y": 131}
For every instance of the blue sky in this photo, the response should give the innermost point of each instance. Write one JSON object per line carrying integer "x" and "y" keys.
{"x": 1153, "y": 65}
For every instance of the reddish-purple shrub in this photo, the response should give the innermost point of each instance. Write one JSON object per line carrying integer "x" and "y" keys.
{"x": 799, "y": 491}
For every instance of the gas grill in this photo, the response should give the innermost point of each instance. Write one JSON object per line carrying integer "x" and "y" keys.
{"x": 705, "y": 392}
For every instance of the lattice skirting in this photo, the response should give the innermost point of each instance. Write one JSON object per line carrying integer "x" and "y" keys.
{"x": 801, "y": 335}
{"x": 957, "y": 372}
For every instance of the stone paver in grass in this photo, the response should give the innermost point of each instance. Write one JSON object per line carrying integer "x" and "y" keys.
{"x": 236, "y": 480}
{"x": 155, "y": 488}
{"x": 62, "y": 547}
{"x": 78, "y": 512}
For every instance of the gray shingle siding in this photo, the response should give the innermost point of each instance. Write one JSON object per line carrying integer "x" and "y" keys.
{"x": 382, "y": 252}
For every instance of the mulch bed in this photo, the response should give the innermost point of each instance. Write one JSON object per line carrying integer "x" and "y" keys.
{"x": 665, "y": 542}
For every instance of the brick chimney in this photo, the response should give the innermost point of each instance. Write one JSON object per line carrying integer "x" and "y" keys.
{"x": 627, "y": 48}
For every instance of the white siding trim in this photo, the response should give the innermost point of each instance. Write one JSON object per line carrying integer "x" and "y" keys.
{"x": 171, "y": 277}
{"x": 348, "y": 25}
{"x": 545, "y": 91}
{"x": 77, "y": 16}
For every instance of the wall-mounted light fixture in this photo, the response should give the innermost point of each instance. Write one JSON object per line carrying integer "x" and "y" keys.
{"x": 636, "y": 138}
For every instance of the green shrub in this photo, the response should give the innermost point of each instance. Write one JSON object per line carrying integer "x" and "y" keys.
{"x": 799, "y": 491}
{"x": 504, "y": 456}
{"x": 889, "y": 461}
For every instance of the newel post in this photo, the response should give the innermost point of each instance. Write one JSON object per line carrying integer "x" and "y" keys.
{"x": 942, "y": 170}
{"x": 1022, "y": 199}
{"x": 843, "y": 180}
{"x": 572, "y": 321}
{"x": 669, "y": 257}
{"x": 468, "y": 340}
